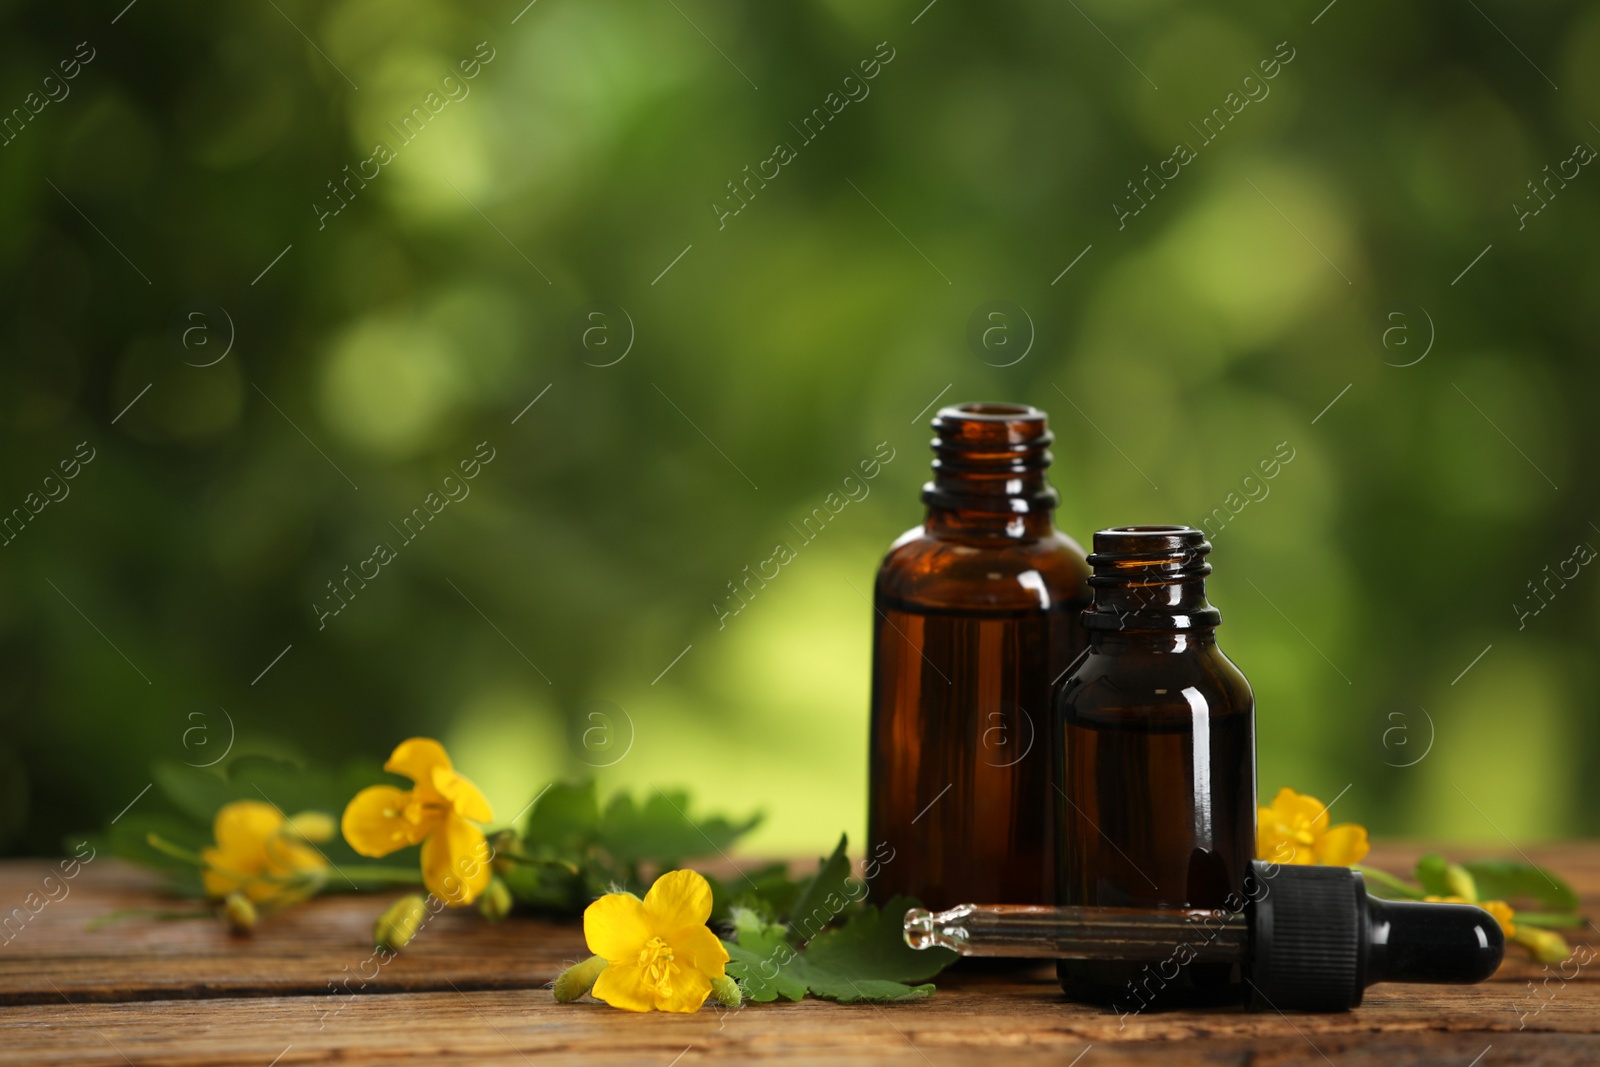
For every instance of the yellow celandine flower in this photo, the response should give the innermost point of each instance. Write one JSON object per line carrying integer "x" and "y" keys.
{"x": 1295, "y": 830}
{"x": 1502, "y": 912}
{"x": 659, "y": 953}
{"x": 259, "y": 854}
{"x": 439, "y": 813}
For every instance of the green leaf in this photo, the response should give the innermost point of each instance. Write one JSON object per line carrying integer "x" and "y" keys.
{"x": 565, "y": 817}
{"x": 1433, "y": 874}
{"x": 1510, "y": 880}
{"x": 767, "y": 891}
{"x": 545, "y": 888}
{"x": 661, "y": 830}
{"x": 865, "y": 960}
{"x": 824, "y": 896}
{"x": 873, "y": 944}
{"x": 128, "y": 839}
{"x": 293, "y": 787}
{"x": 568, "y": 826}
{"x": 199, "y": 792}
{"x": 762, "y": 959}
{"x": 187, "y": 800}
{"x": 196, "y": 793}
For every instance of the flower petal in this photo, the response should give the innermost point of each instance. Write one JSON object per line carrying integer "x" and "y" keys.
{"x": 621, "y": 985}
{"x": 615, "y": 928}
{"x": 1269, "y": 836}
{"x": 375, "y": 824}
{"x": 1342, "y": 845}
{"x": 1286, "y": 851}
{"x": 679, "y": 899}
{"x": 1502, "y": 914}
{"x": 462, "y": 795}
{"x": 1275, "y": 841}
{"x": 689, "y": 990}
{"x": 455, "y": 861}
{"x": 217, "y": 884}
{"x": 417, "y": 758}
{"x": 242, "y": 829}
{"x": 700, "y": 949}
{"x": 1297, "y": 810}
{"x": 1284, "y": 799}
{"x": 286, "y": 856}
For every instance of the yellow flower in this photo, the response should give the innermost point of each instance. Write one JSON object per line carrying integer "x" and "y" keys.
{"x": 1502, "y": 912}
{"x": 256, "y": 853}
{"x": 659, "y": 953}
{"x": 439, "y": 813}
{"x": 1295, "y": 830}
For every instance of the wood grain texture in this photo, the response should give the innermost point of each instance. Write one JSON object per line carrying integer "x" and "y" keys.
{"x": 187, "y": 993}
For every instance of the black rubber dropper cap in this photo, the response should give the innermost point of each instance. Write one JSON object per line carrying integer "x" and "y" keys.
{"x": 1318, "y": 940}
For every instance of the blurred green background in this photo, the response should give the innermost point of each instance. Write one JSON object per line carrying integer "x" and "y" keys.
{"x": 1311, "y": 253}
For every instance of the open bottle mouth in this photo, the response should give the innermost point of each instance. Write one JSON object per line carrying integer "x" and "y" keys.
{"x": 987, "y": 426}
{"x": 991, "y": 456}
{"x": 1150, "y": 578}
{"x": 1149, "y": 553}
{"x": 993, "y": 410}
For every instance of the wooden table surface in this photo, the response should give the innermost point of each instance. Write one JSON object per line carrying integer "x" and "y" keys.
{"x": 303, "y": 990}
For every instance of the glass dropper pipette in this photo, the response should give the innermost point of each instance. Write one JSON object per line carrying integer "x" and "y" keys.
{"x": 1023, "y": 930}
{"x": 1308, "y": 938}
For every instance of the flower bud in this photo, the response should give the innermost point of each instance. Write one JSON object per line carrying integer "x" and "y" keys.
{"x": 495, "y": 904}
{"x": 315, "y": 826}
{"x": 1547, "y": 946}
{"x": 240, "y": 913}
{"x": 399, "y": 924}
{"x": 578, "y": 979}
{"x": 727, "y": 991}
{"x": 1460, "y": 882}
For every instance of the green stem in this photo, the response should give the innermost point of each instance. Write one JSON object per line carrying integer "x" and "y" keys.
{"x": 167, "y": 848}
{"x": 161, "y": 914}
{"x": 1390, "y": 882}
{"x": 1548, "y": 918}
{"x": 530, "y": 861}
{"x": 177, "y": 852}
{"x": 378, "y": 877}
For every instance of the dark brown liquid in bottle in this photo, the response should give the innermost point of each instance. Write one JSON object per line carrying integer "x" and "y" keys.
{"x": 977, "y": 612}
{"x": 1155, "y": 743}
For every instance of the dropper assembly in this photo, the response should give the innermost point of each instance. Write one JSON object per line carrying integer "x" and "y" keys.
{"x": 1307, "y": 938}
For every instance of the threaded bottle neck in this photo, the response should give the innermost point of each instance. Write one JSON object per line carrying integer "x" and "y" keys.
{"x": 1150, "y": 578}
{"x": 989, "y": 470}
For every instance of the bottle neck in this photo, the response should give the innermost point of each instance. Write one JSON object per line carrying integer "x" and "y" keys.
{"x": 1150, "y": 580}
{"x": 1115, "y": 642}
{"x": 989, "y": 474}
{"x": 1153, "y": 601}
{"x": 960, "y": 524}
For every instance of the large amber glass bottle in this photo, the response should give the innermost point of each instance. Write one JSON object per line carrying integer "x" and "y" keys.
{"x": 1154, "y": 741}
{"x": 978, "y": 611}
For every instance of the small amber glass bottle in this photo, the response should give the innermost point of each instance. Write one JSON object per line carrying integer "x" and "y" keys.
{"x": 978, "y": 611}
{"x": 1154, "y": 741}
